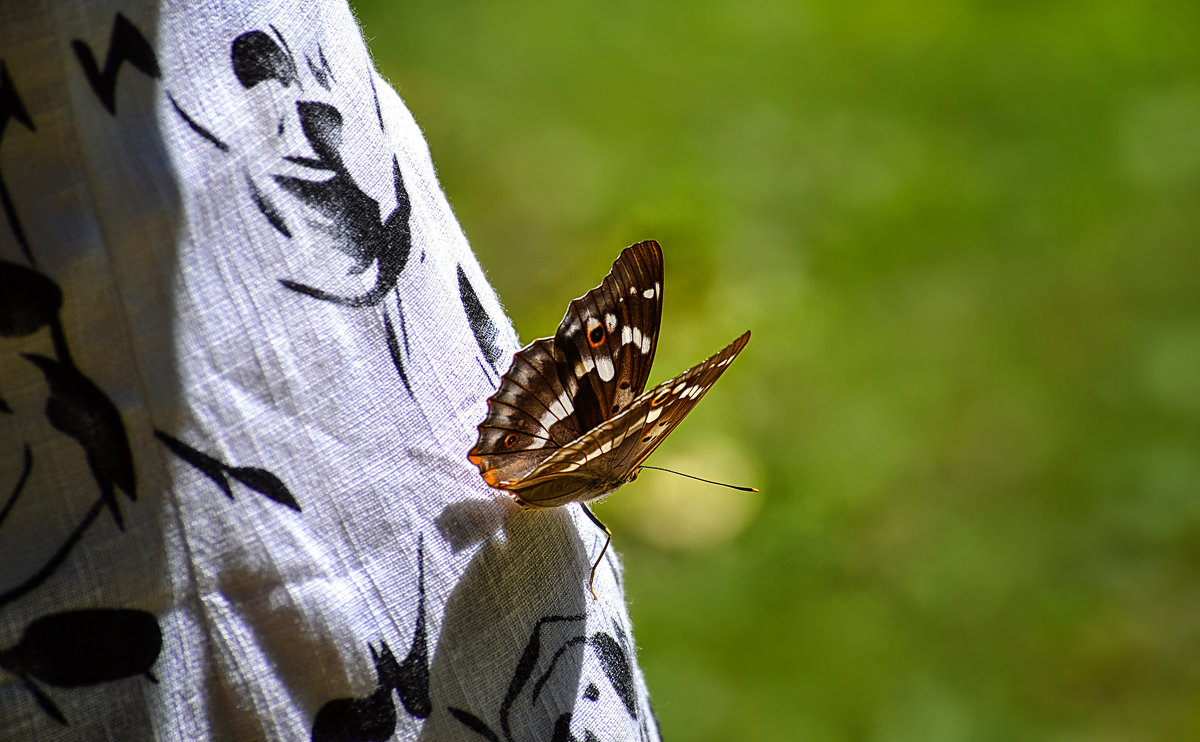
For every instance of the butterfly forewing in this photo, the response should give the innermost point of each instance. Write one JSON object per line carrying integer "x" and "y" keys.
{"x": 605, "y": 344}
{"x": 681, "y": 395}
{"x": 611, "y": 452}
{"x": 529, "y": 417}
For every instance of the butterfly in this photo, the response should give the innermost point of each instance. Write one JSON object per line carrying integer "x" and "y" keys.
{"x": 571, "y": 420}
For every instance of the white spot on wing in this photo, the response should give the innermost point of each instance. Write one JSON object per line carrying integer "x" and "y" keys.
{"x": 653, "y": 414}
{"x": 604, "y": 367}
{"x": 610, "y": 321}
{"x": 648, "y": 293}
{"x": 634, "y": 336}
{"x": 557, "y": 411}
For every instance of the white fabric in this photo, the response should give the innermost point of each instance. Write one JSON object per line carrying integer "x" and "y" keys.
{"x": 306, "y": 551}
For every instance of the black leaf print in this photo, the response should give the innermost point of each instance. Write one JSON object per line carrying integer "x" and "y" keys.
{"x": 526, "y": 665}
{"x": 11, "y": 107}
{"x": 268, "y": 208}
{"x": 44, "y": 701}
{"x": 64, "y": 549}
{"x": 212, "y": 468}
{"x": 486, "y": 332}
{"x": 80, "y": 409}
{"x": 29, "y": 300}
{"x": 127, "y": 44}
{"x": 345, "y": 719}
{"x": 474, "y": 723}
{"x": 562, "y": 729}
{"x": 351, "y": 218}
{"x": 195, "y": 126}
{"x": 258, "y": 58}
{"x": 26, "y": 468}
{"x": 320, "y": 69}
{"x": 487, "y": 371}
{"x": 257, "y": 479}
{"x": 623, "y": 637}
{"x": 369, "y": 718}
{"x": 394, "y": 350}
{"x": 411, "y": 677}
{"x": 85, "y": 647}
{"x": 379, "y": 116}
{"x": 325, "y": 64}
{"x": 558, "y": 653}
{"x": 616, "y": 668}
{"x": 373, "y": 717}
{"x": 614, "y": 663}
{"x": 266, "y": 483}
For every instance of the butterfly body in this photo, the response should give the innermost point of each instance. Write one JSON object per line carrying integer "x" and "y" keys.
{"x": 572, "y": 420}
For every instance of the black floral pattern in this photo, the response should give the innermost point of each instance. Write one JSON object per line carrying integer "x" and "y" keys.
{"x": 613, "y": 658}
{"x": 311, "y": 199}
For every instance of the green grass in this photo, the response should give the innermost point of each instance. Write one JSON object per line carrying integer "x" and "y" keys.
{"x": 967, "y": 239}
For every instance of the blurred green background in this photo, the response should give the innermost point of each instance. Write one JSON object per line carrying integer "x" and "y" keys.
{"x": 967, "y": 239}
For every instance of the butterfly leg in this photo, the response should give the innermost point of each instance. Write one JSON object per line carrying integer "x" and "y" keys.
{"x": 592, "y": 578}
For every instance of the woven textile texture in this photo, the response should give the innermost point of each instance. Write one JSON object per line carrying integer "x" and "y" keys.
{"x": 244, "y": 347}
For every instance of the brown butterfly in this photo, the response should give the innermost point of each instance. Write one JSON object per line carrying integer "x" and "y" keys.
{"x": 570, "y": 421}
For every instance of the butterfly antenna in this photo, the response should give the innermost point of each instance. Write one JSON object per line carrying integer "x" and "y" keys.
{"x": 592, "y": 578}
{"x": 700, "y": 479}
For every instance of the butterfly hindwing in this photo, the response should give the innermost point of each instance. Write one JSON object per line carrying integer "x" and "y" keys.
{"x": 529, "y": 417}
{"x": 606, "y": 341}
